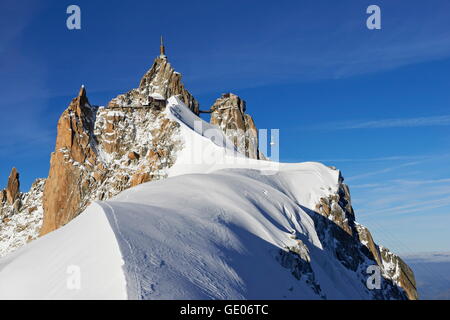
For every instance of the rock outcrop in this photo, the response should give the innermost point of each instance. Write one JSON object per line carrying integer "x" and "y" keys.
{"x": 67, "y": 184}
{"x": 20, "y": 213}
{"x": 157, "y": 85}
{"x": 298, "y": 261}
{"x": 228, "y": 113}
{"x": 400, "y": 272}
{"x": 13, "y": 188}
{"x": 101, "y": 151}
{"x": 391, "y": 264}
{"x": 354, "y": 247}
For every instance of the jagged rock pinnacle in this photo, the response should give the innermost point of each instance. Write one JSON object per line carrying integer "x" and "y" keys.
{"x": 13, "y": 188}
{"x": 228, "y": 112}
{"x": 82, "y": 97}
{"x": 82, "y": 92}
{"x": 157, "y": 85}
{"x": 162, "y": 49}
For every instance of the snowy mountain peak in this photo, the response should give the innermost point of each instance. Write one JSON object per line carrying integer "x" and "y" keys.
{"x": 159, "y": 83}
{"x": 215, "y": 234}
{"x": 174, "y": 214}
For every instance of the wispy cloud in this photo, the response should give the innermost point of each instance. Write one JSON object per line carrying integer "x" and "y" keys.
{"x": 366, "y": 186}
{"x": 391, "y": 195}
{"x": 301, "y": 55}
{"x": 422, "y": 182}
{"x": 403, "y": 197}
{"x": 401, "y": 123}
{"x": 384, "y": 170}
{"x": 433, "y": 121}
{"x": 385, "y": 159}
{"x": 414, "y": 206}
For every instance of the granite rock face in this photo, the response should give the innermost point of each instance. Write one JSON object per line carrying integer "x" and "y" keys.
{"x": 228, "y": 113}
{"x": 3, "y": 196}
{"x": 298, "y": 261}
{"x": 101, "y": 151}
{"x": 20, "y": 213}
{"x": 13, "y": 188}
{"x": 157, "y": 85}
{"x": 354, "y": 247}
{"x": 67, "y": 184}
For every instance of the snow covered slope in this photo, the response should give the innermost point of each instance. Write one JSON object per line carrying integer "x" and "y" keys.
{"x": 216, "y": 236}
{"x": 48, "y": 267}
{"x": 221, "y": 227}
{"x": 190, "y": 237}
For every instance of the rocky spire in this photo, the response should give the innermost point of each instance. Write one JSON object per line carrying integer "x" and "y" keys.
{"x": 157, "y": 85}
{"x": 162, "y": 49}
{"x": 102, "y": 151}
{"x": 13, "y": 188}
{"x": 228, "y": 112}
{"x": 64, "y": 187}
{"x": 82, "y": 98}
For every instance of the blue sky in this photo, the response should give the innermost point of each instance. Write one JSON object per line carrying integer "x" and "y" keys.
{"x": 374, "y": 103}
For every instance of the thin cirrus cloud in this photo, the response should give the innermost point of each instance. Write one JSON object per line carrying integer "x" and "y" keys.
{"x": 383, "y": 159}
{"x": 401, "y": 123}
{"x": 422, "y": 182}
{"x": 422, "y": 206}
{"x": 384, "y": 170}
{"x": 434, "y": 121}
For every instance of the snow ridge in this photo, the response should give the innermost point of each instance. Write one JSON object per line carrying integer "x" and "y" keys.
{"x": 240, "y": 229}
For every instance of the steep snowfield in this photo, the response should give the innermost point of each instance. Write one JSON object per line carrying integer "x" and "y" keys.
{"x": 217, "y": 236}
{"x": 194, "y": 236}
{"x": 214, "y": 229}
{"x": 206, "y": 148}
{"x": 45, "y": 268}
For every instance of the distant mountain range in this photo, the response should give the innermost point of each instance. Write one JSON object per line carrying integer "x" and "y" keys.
{"x": 432, "y": 271}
